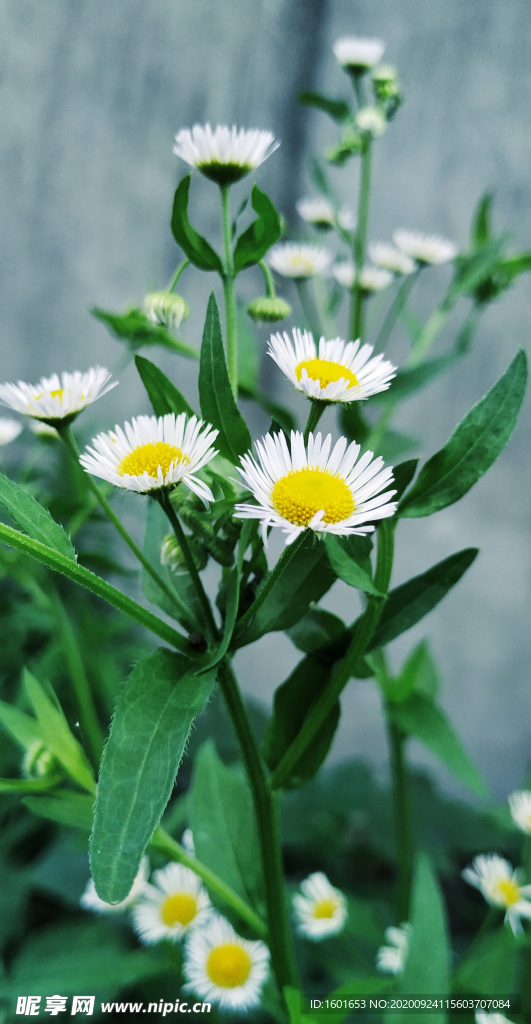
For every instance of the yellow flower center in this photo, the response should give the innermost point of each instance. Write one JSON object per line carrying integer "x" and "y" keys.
{"x": 179, "y": 908}
{"x": 148, "y": 457}
{"x": 229, "y": 965}
{"x": 326, "y": 372}
{"x": 303, "y": 492}
{"x": 303, "y": 264}
{"x": 325, "y": 908}
{"x": 508, "y": 892}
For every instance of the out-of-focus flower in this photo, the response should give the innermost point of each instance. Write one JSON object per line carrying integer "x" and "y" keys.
{"x": 224, "y": 154}
{"x": 91, "y": 901}
{"x": 174, "y": 904}
{"x": 165, "y": 309}
{"x": 357, "y": 55}
{"x": 371, "y": 120}
{"x": 57, "y": 400}
{"x": 500, "y": 885}
{"x": 9, "y": 430}
{"x": 391, "y": 959}
{"x": 371, "y": 279}
{"x": 385, "y": 255}
{"x": 332, "y": 371}
{"x": 320, "y": 909}
{"x": 292, "y": 259}
{"x": 520, "y": 807}
{"x": 222, "y": 968}
{"x": 320, "y": 212}
{"x": 425, "y": 249}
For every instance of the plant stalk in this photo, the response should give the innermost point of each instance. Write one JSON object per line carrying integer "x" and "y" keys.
{"x": 360, "y": 241}
{"x": 402, "y": 816}
{"x": 166, "y": 505}
{"x": 395, "y": 310}
{"x": 228, "y": 291}
{"x": 316, "y": 411}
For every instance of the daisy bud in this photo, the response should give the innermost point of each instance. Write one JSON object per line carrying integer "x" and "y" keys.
{"x": 39, "y": 762}
{"x": 269, "y": 309}
{"x": 166, "y": 309}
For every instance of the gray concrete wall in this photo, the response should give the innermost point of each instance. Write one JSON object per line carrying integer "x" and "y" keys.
{"x": 92, "y": 94}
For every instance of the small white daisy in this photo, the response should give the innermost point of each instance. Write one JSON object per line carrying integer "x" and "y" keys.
{"x": 385, "y": 255}
{"x": 391, "y": 959}
{"x": 520, "y": 807}
{"x": 371, "y": 120}
{"x": 171, "y": 906}
{"x": 91, "y": 901}
{"x": 425, "y": 248}
{"x": 320, "y": 212}
{"x": 57, "y": 400}
{"x": 500, "y": 885}
{"x": 356, "y": 54}
{"x": 9, "y": 430}
{"x": 165, "y": 309}
{"x": 333, "y": 371}
{"x": 222, "y": 968}
{"x": 292, "y": 259}
{"x": 320, "y": 909}
{"x": 371, "y": 279}
{"x": 153, "y": 452}
{"x": 224, "y": 154}
{"x": 315, "y": 488}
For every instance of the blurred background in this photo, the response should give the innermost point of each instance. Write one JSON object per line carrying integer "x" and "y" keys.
{"x": 92, "y": 95}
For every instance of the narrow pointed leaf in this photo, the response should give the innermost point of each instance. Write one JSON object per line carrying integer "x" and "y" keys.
{"x": 154, "y": 714}
{"x": 316, "y": 630}
{"x": 490, "y": 966}
{"x": 66, "y": 807}
{"x": 254, "y": 242}
{"x": 134, "y": 326}
{"x": 351, "y": 563}
{"x": 481, "y": 226}
{"x": 163, "y": 395}
{"x": 33, "y": 518}
{"x": 403, "y": 475}
{"x": 338, "y": 110}
{"x": 215, "y": 393}
{"x": 23, "y": 728}
{"x": 195, "y": 247}
{"x": 472, "y": 448}
{"x": 56, "y": 734}
{"x": 418, "y": 675}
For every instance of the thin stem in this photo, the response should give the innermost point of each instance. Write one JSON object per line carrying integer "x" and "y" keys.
{"x": 70, "y": 649}
{"x": 402, "y": 817}
{"x": 395, "y": 309}
{"x": 360, "y": 240}
{"x": 271, "y": 581}
{"x": 266, "y": 811}
{"x": 167, "y": 507}
{"x": 228, "y": 290}
{"x": 182, "y": 266}
{"x": 429, "y": 332}
{"x": 309, "y": 306}
{"x": 363, "y": 632}
{"x": 358, "y": 89}
{"x": 316, "y": 411}
{"x": 165, "y": 844}
{"x": 268, "y": 278}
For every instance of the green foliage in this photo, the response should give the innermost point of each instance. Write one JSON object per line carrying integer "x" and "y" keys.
{"x": 163, "y": 395}
{"x": 338, "y": 110}
{"x": 264, "y": 231}
{"x": 135, "y": 327}
{"x": 152, "y": 721}
{"x": 418, "y": 675}
{"x": 56, "y": 734}
{"x": 65, "y": 807}
{"x": 490, "y": 965}
{"x": 33, "y": 518}
{"x": 472, "y": 448}
{"x": 317, "y": 629}
{"x": 350, "y": 560}
{"x": 195, "y": 247}
{"x": 215, "y": 393}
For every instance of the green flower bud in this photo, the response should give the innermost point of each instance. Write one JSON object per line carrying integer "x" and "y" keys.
{"x": 269, "y": 309}
{"x": 39, "y": 762}
{"x": 166, "y": 309}
{"x": 172, "y": 557}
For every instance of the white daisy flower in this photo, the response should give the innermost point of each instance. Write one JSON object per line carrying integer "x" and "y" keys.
{"x": 425, "y": 248}
{"x": 371, "y": 279}
{"x": 520, "y": 807}
{"x": 57, "y": 400}
{"x": 320, "y": 212}
{"x": 315, "y": 488}
{"x": 385, "y": 255}
{"x": 356, "y": 54}
{"x": 391, "y": 959}
{"x": 222, "y": 968}
{"x": 9, "y": 430}
{"x": 292, "y": 259}
{"x": 500, "y": 885}
{"x": 320, "y": 909}
{"x": 372, "y": 120}
{"x": 333, "y": 371}
{"x": 91, "y": 901}
{"x": 41, "y": 429}
{"x": 187, "y": 841}
{"x": 491, "y": 1018}
{"x": 224, "y": 154}
{"x": 152, "y": 452}
{"x": 172, "y": 906}
{"x": 165, "y": 309}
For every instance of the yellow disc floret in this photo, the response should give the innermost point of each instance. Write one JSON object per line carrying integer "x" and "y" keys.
{"x": 148, "y": 457}
{"x": 303, "y": 492}
{"x": 179, "y": 908}
{"x": 507, "y": 892}
{"x": 325, "y": 908}
{"x": 229, "y": 965}
{"x": 326, "y": 372}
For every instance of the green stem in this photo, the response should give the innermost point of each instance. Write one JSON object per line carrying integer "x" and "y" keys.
{"x": 271, "y": 580}
{"x": 164, "y": 843}
{"x": 228, "y": 290}
{"x": 309, "y": 307}
{"x": 356, "y": 649}
{"x": 395, "y": 310}
{"x": 166, "y": 505}
{"x": 360, "y": 241}
{"x": 358, "y": 90}
{"x": 316, "y": 411}
{"x": 70, "y": 649}
{"x": 266, "y": 812}
{"x": 268, "y": 278}
{"x": 431, "y": 329}
{"x": 402, "y": 817}
{"x": 182, "y": 266}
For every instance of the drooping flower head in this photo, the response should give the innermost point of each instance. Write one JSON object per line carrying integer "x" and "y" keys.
{"x": 298, "y": 261}
{"x": 332, "y": 371}
{"x": 391, "y": 959}
{"x": 151, "y": 452}
{"x": 385, "y": 255}
{"x": 520, "y": 807}
{"x": 172, "y": 906}
{"x": 57, "y": 400}
{"x": 9, "y": 430}
{"x": 224, "y": 154}
{"x": 358, "y": 55}
{"x": 165, "y": 309}
{"x": 91, "y": 901}
{"x": 425, "y": 249}
{"x": 317, "y": 487}
{"x": 370, "y": 279}
{"x": 320, "y": 212}
{"x": 222, "y": 968}
{"x": 320, "y": 909}
{"x": 500, "y": 885}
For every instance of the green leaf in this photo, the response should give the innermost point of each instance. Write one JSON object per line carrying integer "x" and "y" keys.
{"x": 349, "y": 558}
{"x": 254, "y": 242}
{"x": 418, "y": 675}
{"x": 134, "y": 326}
{"x": 215, "y": 393}
{"x": 473, "y": 270}
{"x": 163, "y": 395}
{"x": 419, "y": 716}
{"x": 427, "y": 969}
{"x": 24, "y": 729}
{"x": 489, "y": 968}
{"x": 291, "y": 704}
{"x": 224, "y": 825}
{"x": 403, "y": 475}
{"x": 472, "y": 448}
{"x": 33, "y": 518}
{"x": 320, "y": 180}
{"x": 154, "y": 714}
{"x": 409, "y": 603}
{"x": 27, "y": 785}
{"x": 248, "y": 354}
{"x": 338, "y": 110}
{"x": 317, "y": 629}
{"x": 195, "y": 247}
{"x": 68, "y": 808}
{"x": 407, "y": 382}
{"x": 56, "y": 734}
{"x": 513, "y": 266}
{"x": 481, "y": 226}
